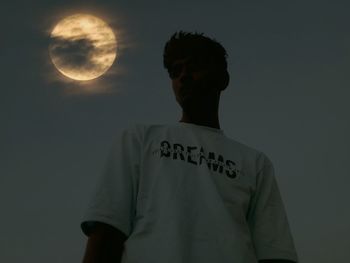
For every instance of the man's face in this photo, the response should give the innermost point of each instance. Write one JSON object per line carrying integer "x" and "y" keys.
{"x": 194, "y": 82}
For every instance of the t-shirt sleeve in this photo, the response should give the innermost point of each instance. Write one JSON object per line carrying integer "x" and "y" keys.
{"x": 267, "y": 218}
{"x": 114, "y": 199}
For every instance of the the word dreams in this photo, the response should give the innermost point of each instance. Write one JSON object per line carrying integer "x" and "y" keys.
{"x": 196, "y": 156}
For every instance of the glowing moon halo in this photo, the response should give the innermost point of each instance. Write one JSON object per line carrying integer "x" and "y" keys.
{"x": 83, "y": 47}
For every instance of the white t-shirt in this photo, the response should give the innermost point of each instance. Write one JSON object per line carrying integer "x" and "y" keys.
{"x": 184, "y": 193}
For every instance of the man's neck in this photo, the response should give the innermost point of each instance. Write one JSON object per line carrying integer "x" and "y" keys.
{"x": 212, "y": 122}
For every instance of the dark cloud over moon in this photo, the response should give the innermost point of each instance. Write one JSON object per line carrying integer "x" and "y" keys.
{"x": 73, "y": 54}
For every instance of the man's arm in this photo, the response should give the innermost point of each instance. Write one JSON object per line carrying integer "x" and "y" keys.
{"x": 105, "y": 245}
{"x": 276, "y": 261}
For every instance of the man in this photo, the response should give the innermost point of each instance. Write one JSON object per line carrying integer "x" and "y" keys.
{"x": 185, "y": 192}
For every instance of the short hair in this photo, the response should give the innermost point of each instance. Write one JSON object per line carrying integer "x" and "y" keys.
{"x": 195, "y": 45}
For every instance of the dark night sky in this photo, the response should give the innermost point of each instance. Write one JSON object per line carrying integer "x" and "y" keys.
{"x": 288, "y": 97}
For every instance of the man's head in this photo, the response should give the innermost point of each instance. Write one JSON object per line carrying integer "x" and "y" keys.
{"x": 197, "y": 67}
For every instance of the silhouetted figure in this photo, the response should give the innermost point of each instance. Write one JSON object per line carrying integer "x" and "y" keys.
{"x": 185, "y": 192}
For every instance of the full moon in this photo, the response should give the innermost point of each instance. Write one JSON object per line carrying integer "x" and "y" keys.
{"x": 83, "y": 47}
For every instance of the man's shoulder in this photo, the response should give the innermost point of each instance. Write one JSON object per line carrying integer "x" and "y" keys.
{"x": 148, "y": 129}
{"x": 244, "y": 148}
